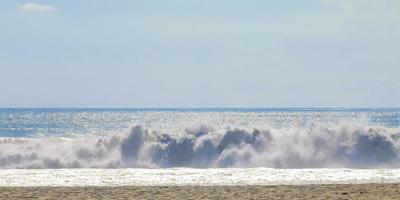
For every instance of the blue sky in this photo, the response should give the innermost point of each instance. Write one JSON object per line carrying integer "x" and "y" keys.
{"x": 200, "y": 53}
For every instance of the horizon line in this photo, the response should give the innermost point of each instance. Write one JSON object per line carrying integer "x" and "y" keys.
{"x": 198, "y": 108}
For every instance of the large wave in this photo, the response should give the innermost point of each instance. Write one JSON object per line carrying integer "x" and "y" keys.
{"x": 350, "y": 146}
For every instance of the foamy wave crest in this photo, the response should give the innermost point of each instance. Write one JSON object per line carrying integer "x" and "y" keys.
{"x": 310, "y": 147}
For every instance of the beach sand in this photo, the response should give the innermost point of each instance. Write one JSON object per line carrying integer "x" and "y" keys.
{"x": 355, "y": 191}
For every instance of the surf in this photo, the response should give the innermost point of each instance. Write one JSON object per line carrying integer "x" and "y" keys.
{"x": 313, "y": 146}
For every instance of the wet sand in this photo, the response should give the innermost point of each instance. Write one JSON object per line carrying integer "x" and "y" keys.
{"x": 355, "y": 191}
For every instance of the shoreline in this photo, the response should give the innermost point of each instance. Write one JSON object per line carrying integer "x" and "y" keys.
{"x": 328, "y": 191}
{"x": 192, "y": 177}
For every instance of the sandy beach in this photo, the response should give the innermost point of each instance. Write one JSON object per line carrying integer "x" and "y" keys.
{"x": 354, "y": 191}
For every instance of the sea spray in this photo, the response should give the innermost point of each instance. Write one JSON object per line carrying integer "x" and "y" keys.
{"x": 313, "y": 146}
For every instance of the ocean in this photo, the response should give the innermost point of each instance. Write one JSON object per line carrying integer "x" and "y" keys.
{"x": 198, "y": 146}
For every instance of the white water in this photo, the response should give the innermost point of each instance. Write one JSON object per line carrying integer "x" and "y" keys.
{"x": 314, "y": 146}
{"x": 216, "y": 148}
{"x": 190, "y": 176}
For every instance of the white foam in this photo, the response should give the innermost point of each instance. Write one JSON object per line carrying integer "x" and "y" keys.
{"x": 191, "y": 176}
{"x": 314, "y": 146}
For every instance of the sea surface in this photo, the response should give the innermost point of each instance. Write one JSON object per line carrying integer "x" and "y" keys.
{"x": 198, "y": 145}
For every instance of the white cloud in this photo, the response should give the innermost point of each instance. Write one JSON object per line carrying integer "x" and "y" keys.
{"x": 34, "y": 7}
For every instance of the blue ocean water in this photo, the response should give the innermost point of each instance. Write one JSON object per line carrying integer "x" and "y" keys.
{"x": 200, "y": 138}
{"x": 26, "y": 122}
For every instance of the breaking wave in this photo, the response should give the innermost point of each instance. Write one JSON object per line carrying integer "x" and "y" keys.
{"x": 350, "y": 146}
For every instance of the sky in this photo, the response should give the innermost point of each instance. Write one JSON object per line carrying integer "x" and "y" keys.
{"x": 200, "y": 53}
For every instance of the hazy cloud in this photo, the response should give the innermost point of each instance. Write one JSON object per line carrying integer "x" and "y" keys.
{"x": 34, "y": 7}
{"x": 347, "y": 6}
